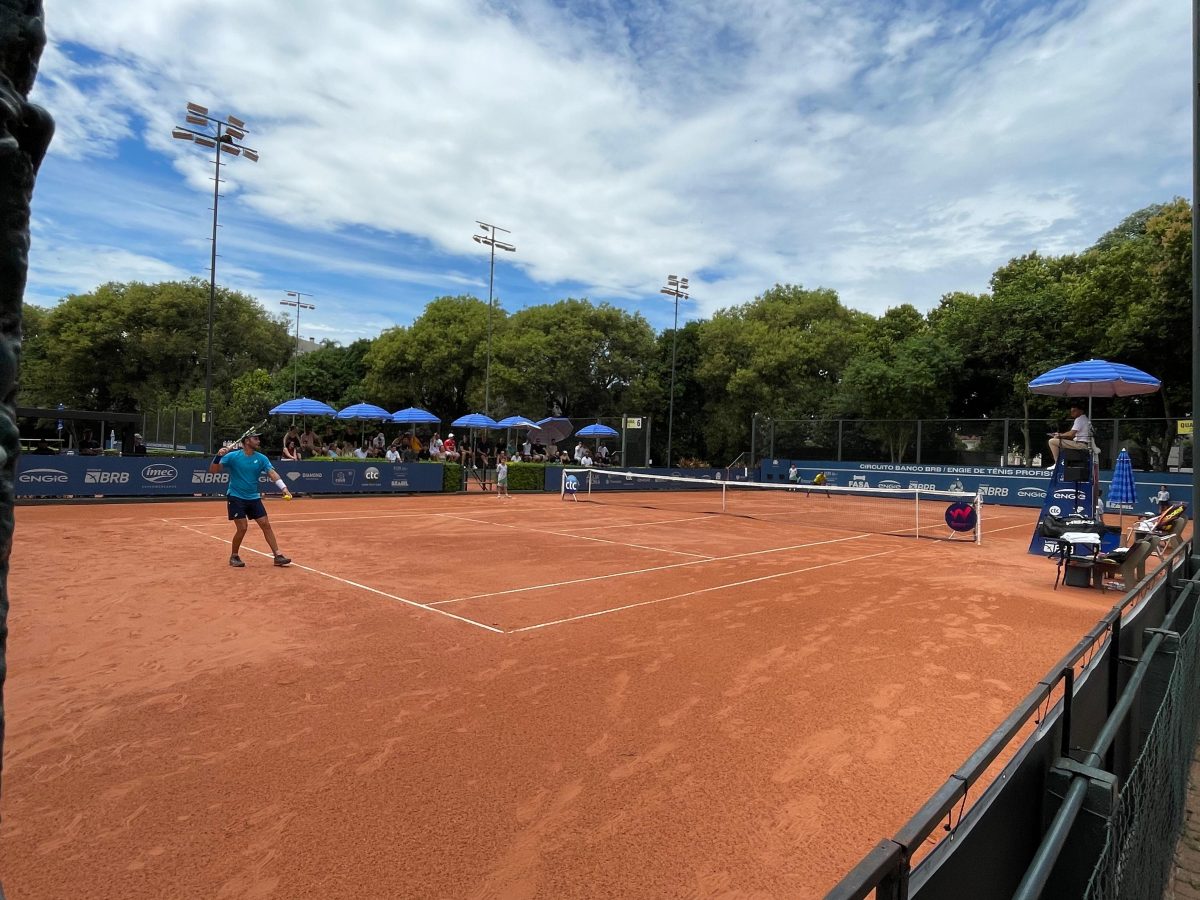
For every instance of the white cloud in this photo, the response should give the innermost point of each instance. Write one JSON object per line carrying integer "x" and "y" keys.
{"x": 886, "y": 152}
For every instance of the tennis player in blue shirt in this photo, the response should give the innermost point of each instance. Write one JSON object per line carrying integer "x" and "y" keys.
{"x": 244, "y": 464}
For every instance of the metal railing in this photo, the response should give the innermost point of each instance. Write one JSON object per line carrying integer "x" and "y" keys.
{"x": 887, "y": 869}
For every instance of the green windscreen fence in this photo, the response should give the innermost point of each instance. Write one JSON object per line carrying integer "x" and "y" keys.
{"x": 1141, "y": 835}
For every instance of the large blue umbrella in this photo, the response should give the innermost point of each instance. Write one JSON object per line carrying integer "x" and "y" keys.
{"x": 517, "y": 422}
{"x": 1122, "y": 492}
{"x": 363, "y": 411}
{"x": 303, "y": 406}
{"x": 596, "y": 430}
{"x": 1095, "y": 378}
{"x": 474, "y": 420}
{"x": 414, "y": 414}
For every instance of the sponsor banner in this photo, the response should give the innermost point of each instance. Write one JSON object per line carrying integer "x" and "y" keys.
{"x": 134, "y": 476}
{"x": 1008, "y": 486}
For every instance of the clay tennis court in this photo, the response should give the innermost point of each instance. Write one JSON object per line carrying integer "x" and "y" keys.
{"x": 460, "y": 696}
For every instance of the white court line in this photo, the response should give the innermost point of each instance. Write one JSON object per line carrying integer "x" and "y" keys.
{"x": 365, "y": 587}
{"x": 541, "y": 587}
{"x": 524, "y": 527}
{"x": 719, "y": 587}
{"x": 644, "y": 524}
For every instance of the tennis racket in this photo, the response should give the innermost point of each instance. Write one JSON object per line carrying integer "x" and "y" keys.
{"x": 245, "y": 434}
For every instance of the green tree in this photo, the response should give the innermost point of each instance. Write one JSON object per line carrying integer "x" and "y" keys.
{"x": 128, "y": 347}
{"x": 571, "y": 358}
{"x": 780, "y": 355}
{"x": 434, "y": 363}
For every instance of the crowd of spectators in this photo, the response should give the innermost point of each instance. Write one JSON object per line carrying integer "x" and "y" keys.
{"x": 409, "y": 447}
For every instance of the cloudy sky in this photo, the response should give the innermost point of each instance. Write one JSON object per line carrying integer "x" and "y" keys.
{"x": 891, "y": 151}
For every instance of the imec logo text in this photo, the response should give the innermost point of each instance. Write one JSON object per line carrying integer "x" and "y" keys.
{"x": 99, "y": 476}
{"x": 159, "y": 473}
{"x": 43, "y": 476}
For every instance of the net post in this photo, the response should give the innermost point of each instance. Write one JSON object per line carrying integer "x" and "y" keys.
{"x": 917, "y": 510}
{"x": 978, "y": 504}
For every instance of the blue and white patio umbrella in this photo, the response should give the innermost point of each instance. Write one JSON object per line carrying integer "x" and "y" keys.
{"x": 596, "y": 430}
{"x": 1095, "y": 378}
{"x": 517, "y": 422}
{"x": 303, "y": 406}
{"x": 414, "y": 415}
{"x": 1122, "y": 492}
{"x": 474, "y": 420}
{"x": 364, "y": 411}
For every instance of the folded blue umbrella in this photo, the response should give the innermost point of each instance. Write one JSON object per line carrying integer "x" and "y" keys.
{"x": 364, "y": 411}
{"x": 303, "y": 406}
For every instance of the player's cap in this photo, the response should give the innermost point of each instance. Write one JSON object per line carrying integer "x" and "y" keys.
{"x": 137, "y": 437}
{"x": 251, "y": 434}
{"x": 451, "y": 434}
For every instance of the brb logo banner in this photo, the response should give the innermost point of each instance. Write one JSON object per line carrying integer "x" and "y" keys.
{"x": 115, "y": 476}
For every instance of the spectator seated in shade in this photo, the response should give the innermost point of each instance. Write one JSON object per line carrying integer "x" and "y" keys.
{"x": 308, "y": 442}
{"x": 43, "y": 448}
{"x": 435, "y": 447}
{"x": 537, "y": 451}
{"x": 359, "y": 452}
{"x": 450, "y": 448}
{"x": 291, "y": 445}
{"x": 393, "y": 451}
{"x": 139, "y": 445}
{"x": 586, "y": 459}
{"x": 88, "y": 445}
{"x": 602, "y": 455}
{"x": 379, "y": 442}
{"x": 578, "y": 454}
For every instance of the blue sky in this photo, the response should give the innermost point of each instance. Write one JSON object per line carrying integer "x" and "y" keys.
{"x": 892, "y": 152}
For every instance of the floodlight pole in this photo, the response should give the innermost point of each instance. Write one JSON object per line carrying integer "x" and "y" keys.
{"x": 678, "y": 288}
{"x": 299, "y": 306}
{"x": 222, "y": 135}
{"x": 489, "y": 238}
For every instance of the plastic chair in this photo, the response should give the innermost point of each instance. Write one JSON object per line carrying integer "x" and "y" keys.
{"x": 1129, "y": 570}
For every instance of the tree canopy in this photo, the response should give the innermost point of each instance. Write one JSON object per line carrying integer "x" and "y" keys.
{"x": 791, "y": 353}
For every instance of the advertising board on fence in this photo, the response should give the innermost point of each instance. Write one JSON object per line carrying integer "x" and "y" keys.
{"x": 149, "y": 476}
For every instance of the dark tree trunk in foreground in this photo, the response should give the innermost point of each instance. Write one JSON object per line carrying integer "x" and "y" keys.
{"x": 25, "y": 132}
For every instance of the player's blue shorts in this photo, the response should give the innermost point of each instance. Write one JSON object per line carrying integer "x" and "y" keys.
{"x": 246, "y": 509}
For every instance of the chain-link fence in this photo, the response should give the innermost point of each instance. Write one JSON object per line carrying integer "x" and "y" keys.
{"x": 174, "y": 428}
{"x": 1149, "y": 812}
{"x": 1153, "y": 444}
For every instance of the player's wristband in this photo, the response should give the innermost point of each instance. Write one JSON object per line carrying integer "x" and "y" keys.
{"x": 282, "y": 487}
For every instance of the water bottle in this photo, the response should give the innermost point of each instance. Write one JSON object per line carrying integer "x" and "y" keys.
{"x": 112, "y": 439}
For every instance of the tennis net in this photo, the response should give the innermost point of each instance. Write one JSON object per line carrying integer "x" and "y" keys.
{"x": 942, "y": 515}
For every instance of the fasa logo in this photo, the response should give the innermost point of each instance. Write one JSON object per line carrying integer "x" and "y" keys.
{"x": 43, "y": 476}
{"x": 159, "y": 473}
{"x": 372, "y": 473}
{"x": 858, "y": 481}
{"x": 987, "y": 490}
{"x": 890, "y": 485}
{"x": 1038, "y": 493}
{"x": 99, "y": 476}
{"x": 1064, "y": 495}
{"x": 209, "y": 478}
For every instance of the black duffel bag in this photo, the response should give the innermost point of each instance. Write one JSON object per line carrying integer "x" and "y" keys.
{"x": 1057, "y": 526}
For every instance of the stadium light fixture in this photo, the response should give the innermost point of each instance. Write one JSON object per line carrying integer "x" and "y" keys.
{"x": 678, "y": 288}
{"x": 221, "y": 135}
{"x": 489, "y": 239}
{"x": 299, "y": 304}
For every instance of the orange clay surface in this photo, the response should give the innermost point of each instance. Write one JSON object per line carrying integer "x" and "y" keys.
{"x": 458, "y": 696}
